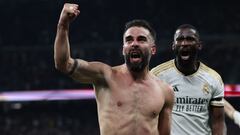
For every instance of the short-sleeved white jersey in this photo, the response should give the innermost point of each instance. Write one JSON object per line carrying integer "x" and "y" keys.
{"x": 193, "y": 95}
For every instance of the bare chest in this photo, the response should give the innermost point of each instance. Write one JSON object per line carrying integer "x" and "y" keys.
{"x": 139, "y": 98}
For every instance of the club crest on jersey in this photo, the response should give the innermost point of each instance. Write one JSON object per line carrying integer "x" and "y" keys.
{"x": 206, "y": 89}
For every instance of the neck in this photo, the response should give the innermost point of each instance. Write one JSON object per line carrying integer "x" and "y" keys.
{"x": 139, "y": 75}
{"x": 187, "y": 68}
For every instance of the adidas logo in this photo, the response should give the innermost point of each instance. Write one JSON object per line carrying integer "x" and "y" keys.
{"x": 175, "y": 89}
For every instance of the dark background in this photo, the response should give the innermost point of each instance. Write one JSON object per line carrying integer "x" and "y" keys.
{"x": 27, "y": 32}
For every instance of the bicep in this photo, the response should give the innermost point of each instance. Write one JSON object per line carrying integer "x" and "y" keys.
{"x": 217, "y": 109}
{"x": 217, "y": 113}
{"x": 164, "y": 122}
{"x": 217, "y": 118}
{"x": 165, "y": 117}
{"x": 88, "y": 72}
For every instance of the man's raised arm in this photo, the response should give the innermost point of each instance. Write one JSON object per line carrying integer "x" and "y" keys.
{"x": 78, "y": 69}
{"x": 63, "y": 60}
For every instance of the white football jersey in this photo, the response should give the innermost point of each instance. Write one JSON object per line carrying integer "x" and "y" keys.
{"x": 193, "y": 95}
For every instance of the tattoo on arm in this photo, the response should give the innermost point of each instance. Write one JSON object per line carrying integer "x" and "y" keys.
{"x": 75, "y": 64}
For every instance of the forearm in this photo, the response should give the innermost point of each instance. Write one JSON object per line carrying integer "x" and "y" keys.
{"x": 63, "y": 61}
{"x": 61, "y": 47}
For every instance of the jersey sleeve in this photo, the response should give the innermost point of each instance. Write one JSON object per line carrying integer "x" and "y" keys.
{"x": 218, "y": 93}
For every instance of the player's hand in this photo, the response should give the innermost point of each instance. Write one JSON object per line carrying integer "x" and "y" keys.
{"x": 236, "y": 117}
{"x": 68, "y": 14}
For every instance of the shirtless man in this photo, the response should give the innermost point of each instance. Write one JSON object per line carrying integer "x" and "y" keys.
{"x": 130, "y": 100}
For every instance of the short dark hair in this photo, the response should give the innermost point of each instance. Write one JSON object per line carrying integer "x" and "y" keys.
{"x": 141, "y": 23}
{"x": 189, "y": 26}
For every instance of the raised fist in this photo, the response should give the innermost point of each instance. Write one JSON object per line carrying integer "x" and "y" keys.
{"x": 69, "y": 13}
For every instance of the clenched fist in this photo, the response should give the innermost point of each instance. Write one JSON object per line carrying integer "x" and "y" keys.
{"x": 68, "y": 14}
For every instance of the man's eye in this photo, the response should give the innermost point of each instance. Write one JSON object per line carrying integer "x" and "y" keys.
{"x": 190, "y": 38}
{"x": 128, "y": 39}
{"x": 180, "y": 38}
{"x": 186, "y": 38}
{"x": 142, "y": 39}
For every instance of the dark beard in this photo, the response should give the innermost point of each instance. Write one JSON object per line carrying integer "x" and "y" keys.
{"x": 139, "y": 66}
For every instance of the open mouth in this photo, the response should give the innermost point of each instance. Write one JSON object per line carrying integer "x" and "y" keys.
{"x": 185, "y": 55}
{"x": 135, "y": 56}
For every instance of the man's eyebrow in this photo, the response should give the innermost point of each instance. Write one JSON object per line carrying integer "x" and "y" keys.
{"x": 128, "y": 37}
{"x": 192, "y": 36}
{"x": 179, "y": 37}
{"x": 142, "y": 37}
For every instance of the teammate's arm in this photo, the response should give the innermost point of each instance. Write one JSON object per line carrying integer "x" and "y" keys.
{"x": 88, "y": 72}
{"x": 217, "y": 117}
{"x": 231, "y": 112}
{"x": 165, "y": 116}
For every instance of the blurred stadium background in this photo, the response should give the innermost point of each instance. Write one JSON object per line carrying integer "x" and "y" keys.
{"x": 27, "y": 31}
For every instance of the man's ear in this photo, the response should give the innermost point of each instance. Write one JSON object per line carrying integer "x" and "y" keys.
{"x": 200, "y": 46}
{"x": 123, "y": 50}
{"x": 154, "y": 49}
{"x": 173, "y": 46}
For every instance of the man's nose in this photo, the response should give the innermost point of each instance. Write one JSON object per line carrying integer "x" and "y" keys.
{"x": 134, "y": 44}
{"x": 186, "y": 43}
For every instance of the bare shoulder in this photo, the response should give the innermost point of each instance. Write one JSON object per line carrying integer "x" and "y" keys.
{"x": 167, "y": 89}
{"x": 165, "y": 86}
{"x": 117, "y": 68}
